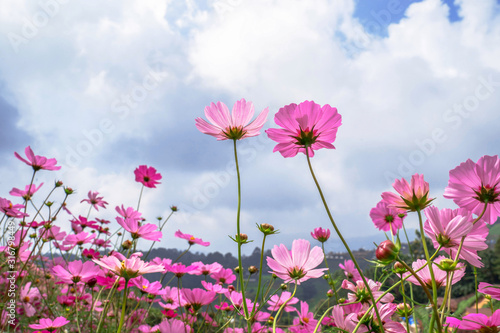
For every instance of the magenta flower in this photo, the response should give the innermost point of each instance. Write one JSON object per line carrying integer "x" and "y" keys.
{"x": 76, "y": 272}
{"x": 197, "y": 297}
{"x": 223, "y": 275}
{"x": 305, "y": 125}
{"x": 49, "y": 324}
{"x": 412, "y": 197}
{"x": 321, "y": 234}
{"x": 174, "y": 326}
{"x": 489, "y": 289}
{"x": 147, "y": 287}
{"x": 30, "y": 298}
{"x": 11, "y": 210}
{"x": 78, "y": 239}
{"x": 95, "y": 201}
{"x": 350, "y": 270}
{"x": 478, "y": 322}
{"x": 360, "y": 291}
{"x": 179, "y": 269}
{"x": 473, "y": 185}
{"x": 385, "y": 218}
{"x": 28, "y": 192}
{"x": 206, "y": 269}
{"x": 148, "y": 231}
{"x": 191, "y": 239}
{"x": 38, "y": 162}
{"x": 447, "y": 227}
{"x": 296, "y": 265}
{"x": 305, "y": 322}
{"x": 128, "y": 268}
{"x": 235, "y": 125}
{"x": 172, "y": 297}
{"x": 147, "y": 176}
{"x": 276, "y": 301}
{"x": 439, "y": 275}
{"x": 129, "y": 213}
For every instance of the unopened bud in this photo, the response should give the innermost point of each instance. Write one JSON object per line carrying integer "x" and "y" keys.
{"x": 127, "y": 244}
{"x": 386, "y": 252}
{"x": 253, "y": 269}
{"x": 283, "y": 286}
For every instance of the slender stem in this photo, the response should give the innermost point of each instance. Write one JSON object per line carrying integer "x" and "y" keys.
{"x": 260, "y": 274}
{"x": 331, "y": 283}
{"x": 238, "y": 232}
{"x": 431, "y": 270}
{"x": 282, "y": 307}
{"x": 340, "y": 235}
{"x": 407, "y": 320}
{"x": 124, "y": 305}
{"x": 140, "y": 197}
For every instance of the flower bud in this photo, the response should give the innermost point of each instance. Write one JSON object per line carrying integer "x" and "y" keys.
{"x": 68, "y": 190}
{"x": 404, "y": 310}
{"x": 230, "y": 288}
{"x": 266, "y": 229}
{"x": 174, "y": 208}
{"x": 236, "y": 269}
{"x": 321, "y": 234}
{"x": 448, "y": 265}
{"x": 399, "y": 268}
{"x": 127, "y": 244}
{"x": 283, "y": 286}
{"x": 253, "y": 269}
{"x": 92, "y": 282}
{"x": 329, "y": 293}
{"x": 386, "y": 252}
{"x": 59, "y": 183}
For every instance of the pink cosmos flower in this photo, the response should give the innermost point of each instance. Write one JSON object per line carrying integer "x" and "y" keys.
{"x": 172, "y": 298}
{"x": 344, "y": 319}
{"x": 128, "y": 268}
{"x": 76, "y": 272}
{"x": 385, "y": 218}
{"x": 489, "y": 289}
{"x": 472, "y": 185}
{"x": 174, "y": 326}
{"x": 191, "y": 239}
{"x": 447, "y": 227}
{"x": 305, "y": 125}
{"x": 412, "y": 197}
{"x": 28, "y": 192}
{"x": 129, "y": 213}
{"x": 11, "y": 210}
{"x": 145, "y": 286}
{"x": 305, "y": 322}
{"x": 30, "y": 298}
{"x": 81, "y": 223}
{"x": 78, "y": 239}
{"x": 439, "y": 275}
{"x": 235, "y": 125}
{"x": 179, "y": 269}
{"x": 350, "y": 270}
{"x": 50, "y": 325}
{"x": 276, "y": 301}
{"x": 321, "y": 234}
{"x": 223, "y": 275}
{"x": 197, "y": 297}
{"x": 360, "y": 292}
{"x": 206, "y": 269}
{"x": 478, "y": 322}
{"x": 148, "y": 231}
{"x": 95, "y": 201}
{"x": 147, "y": 176}
{"x": 38, "y": 162}
{"x": 298, "y": 264}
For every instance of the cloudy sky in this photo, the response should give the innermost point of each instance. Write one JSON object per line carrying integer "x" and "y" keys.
{"x": 106, "y": 86}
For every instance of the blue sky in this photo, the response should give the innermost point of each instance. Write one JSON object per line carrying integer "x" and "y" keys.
{"x": 107, "y": 87}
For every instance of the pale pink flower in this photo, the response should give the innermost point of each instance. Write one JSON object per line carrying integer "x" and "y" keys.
{"x": 489, "y": 289}
{"x": 147, "y": 176}
{"x": 472, "y": 185}
{"x": 305, "y": 322}
{"x": 344, "y": 319}
{"x": 78, "y": 239}
{"x": 411, "y": 196}
{"x": 360, "y": 292}
{"x": 223, "y": 275}
{"x": 153, "y": 288}
{"x": 129, "y": 213}
{"x": 95, "y": 200}
{"x": 30, "y": 298}
{"x": 128, "y": 268}
{"x": 204, "y": 269}
{"x": 478, "y": 322}
{"x": 440, "y": 276}
{"x": 38, "y": 162}
{"x": 298, "y": 264}
{"x": 385, "y": 218}
{"x": 305, "y": 125}
{"x": 11, "y": 210}
{"x": 191, "y": 239}
{"x": 172, "y": 297}
{"x": 147, "y": 231}
{"x": 235, "y": 125}
{"x": 321, "y": 234}
{"x": 76, "y": 272}
{"x": 179, "y": 269}
{"x": 276, "y": 301}
{"x": 350, "y": 270}
{"x": 28, "y": 192}
{"x": 197, "y": 297}
{"x": 218, "y": 288}
{"x": 446, "y": 227}
{"x": 49, "y": 324}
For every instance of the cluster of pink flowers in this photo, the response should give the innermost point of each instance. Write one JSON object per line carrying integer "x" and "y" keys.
{"x": 99, "y": 279}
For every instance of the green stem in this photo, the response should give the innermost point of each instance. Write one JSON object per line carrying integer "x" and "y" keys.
{"x": 282, "y": 307}
{"x": 331, "y": 283}
{"x": 124, "y": 305}
{"x": 238, "y": 232}
{"x": 260, "y": 274}
{"x": 340, "y": 235}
